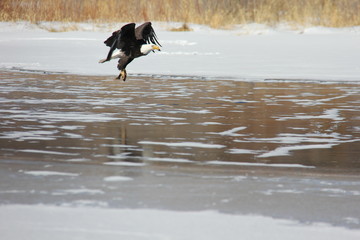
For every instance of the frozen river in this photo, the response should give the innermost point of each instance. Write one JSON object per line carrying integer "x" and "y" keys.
{"x": 283, "y": 149}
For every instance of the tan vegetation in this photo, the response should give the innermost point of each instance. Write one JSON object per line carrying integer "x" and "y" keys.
{"x": 334, "y": 13}
{"x": 183, "y": 28}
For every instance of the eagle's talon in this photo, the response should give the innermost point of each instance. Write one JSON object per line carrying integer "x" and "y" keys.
{"x": 123, "y": 75}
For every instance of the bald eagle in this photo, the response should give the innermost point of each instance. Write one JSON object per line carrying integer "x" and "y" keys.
{"x": 128, "y": 43}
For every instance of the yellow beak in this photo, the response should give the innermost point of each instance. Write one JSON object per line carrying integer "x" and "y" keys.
{"x": 155, "y": 47}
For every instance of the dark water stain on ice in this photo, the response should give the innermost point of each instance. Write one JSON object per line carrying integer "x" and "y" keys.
{"x": 284, "y": 149}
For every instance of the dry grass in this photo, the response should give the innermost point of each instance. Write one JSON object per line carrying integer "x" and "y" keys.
{"x": 333, "y": 13}
{"x": 183, "y": 28}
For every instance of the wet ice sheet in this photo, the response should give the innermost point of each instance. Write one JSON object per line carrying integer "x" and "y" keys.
{"x": 281, "y": 149}
{"x": 97, "y": 119}
{"x": 93, "y": 223}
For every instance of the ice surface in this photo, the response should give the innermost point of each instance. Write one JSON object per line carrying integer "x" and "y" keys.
{"x": 232, "y": 132}
{"x": 250, "y": 52}
{"x": 177, "y": 145}
{"x": 96, "y": 223}
{"x": 78, "y": 191}
{"x": 283, "y": 151}
{"x": 46, "y": 152}
{"x": 183, "y": 144}
{"x": 126, "y": 164}
{"x": 281, "y": 165}
{"x": 50, "y": 173}
{"x": 260, "y": 164}
{"x": 117, "y": 179}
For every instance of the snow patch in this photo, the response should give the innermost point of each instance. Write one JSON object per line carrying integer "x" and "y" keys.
{"x": 333, "y": 114}
{"x": 125, "y": 164}
{"x": 175, "y": 160}
{"x": 50, "y": 173}
{"x": 78, "y": 191}
{"x": 117, "y": 179}
{"x": 232, "y": 132}
{"x": 284, "y": 151}
{"x": 280, "y": 165}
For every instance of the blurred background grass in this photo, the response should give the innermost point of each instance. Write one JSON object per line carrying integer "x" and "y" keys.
{"x": 215, "y": 13}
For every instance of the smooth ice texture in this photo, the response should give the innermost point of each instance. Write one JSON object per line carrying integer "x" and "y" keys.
{"x": 96, "y": 223}
{"x": 247, "y": 52}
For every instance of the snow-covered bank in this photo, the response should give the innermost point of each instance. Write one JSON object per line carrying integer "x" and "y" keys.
{"x": 251, "y": 52}
{"x": 49, "y": 222}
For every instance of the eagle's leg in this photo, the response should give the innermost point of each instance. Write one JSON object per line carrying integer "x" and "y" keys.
{"x": 123, "y": 62}
{"x": 122, "y": 75}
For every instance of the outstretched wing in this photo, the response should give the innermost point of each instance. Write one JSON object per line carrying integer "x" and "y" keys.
{"x": 146, "y": 33}
{"x": 109, "y": 42}
{"x": 121, "y": 39}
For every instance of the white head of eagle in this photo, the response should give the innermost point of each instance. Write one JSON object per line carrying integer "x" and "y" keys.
{"x": 147, "y": 48}
{"x": 129, "y": 43}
